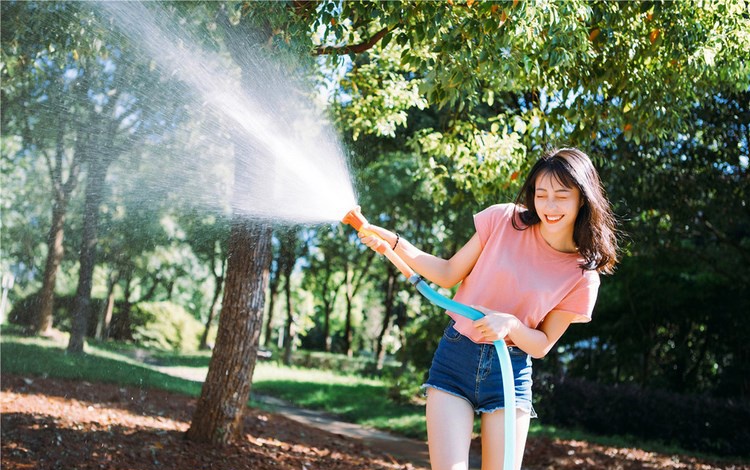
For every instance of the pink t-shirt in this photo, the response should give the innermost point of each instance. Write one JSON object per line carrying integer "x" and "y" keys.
{"x": 519, "y": 273}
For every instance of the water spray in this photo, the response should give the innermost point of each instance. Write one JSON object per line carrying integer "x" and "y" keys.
{"x": 355, "y": 218}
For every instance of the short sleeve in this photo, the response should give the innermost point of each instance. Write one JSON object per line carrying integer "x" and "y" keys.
{"x": 490, "y": 219}
{"x": 581, "y": 299}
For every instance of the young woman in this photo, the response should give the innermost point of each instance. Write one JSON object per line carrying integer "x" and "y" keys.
{"x": 532, "y": 268}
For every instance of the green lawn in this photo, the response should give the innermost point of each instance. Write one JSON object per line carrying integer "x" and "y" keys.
{"x": 46, "y": 357}
{"x": 355, "y": 399}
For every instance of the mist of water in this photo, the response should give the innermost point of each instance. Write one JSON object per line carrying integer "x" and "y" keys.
{"x": 285, "y": 164}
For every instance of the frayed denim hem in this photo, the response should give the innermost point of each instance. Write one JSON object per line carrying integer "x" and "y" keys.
{"x": 426, "y": 386}
{"x": 526, "y": 407}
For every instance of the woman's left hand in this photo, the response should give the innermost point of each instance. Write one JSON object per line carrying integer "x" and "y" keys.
{"x": 495, "y": 325}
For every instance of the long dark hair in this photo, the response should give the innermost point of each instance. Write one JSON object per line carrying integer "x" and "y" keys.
{"x": 594, "y": 231}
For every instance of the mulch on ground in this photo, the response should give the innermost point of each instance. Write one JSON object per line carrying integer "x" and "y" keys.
{"x": 61, "y": 424}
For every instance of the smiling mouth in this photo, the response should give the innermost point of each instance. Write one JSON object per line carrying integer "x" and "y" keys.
{"x": 553, "y": 219}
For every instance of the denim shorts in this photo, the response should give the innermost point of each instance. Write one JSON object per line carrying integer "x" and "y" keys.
{"x": 471, "y": 371}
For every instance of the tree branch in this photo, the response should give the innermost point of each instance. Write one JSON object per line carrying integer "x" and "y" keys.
{"x": 355, "y": 48}
{"x": 723, "y": 237}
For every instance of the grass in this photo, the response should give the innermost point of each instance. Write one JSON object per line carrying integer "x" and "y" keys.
{"x": 47, "y": 357}
{"x": 354, "y": 398}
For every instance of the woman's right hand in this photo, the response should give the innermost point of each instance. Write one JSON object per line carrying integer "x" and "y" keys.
{"x": 376, "y": 238}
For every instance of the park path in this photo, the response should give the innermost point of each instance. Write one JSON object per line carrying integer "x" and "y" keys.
{"x": 412, "y": 450}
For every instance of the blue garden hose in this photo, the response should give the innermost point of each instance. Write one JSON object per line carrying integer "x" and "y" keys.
{"x": 509, "y": 388}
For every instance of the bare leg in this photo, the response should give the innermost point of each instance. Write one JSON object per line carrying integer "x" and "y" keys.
{"x": 450, "y": 421}
{"x": 493, "y": 438}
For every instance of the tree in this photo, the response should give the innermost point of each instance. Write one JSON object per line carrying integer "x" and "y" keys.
{"x": 514, "y": 76}
{"x": 323, "y": 277}
{"x": 131, "y": 232}
{"x": 355, "y": 274}
{"x": 39, "y": 98}
{"x": 274, "y": 282}
{"x": 684, "y": 281}
{"x": 73, "y": 110}
{"x": 290, "y": 249}
{"x": 118, "y": 126}
{"x": 389, "y": 303}
{"x": 504, "y": 80}
{"x": 225, "y": 392}
{"x": 212, "y": 249}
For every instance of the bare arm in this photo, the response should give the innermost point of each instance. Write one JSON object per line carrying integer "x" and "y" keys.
{"x": 536, "y": 342}
{"x": 443, "y": 272}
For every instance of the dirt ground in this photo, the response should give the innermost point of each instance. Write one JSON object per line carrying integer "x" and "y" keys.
{"x": 57, "y": 424}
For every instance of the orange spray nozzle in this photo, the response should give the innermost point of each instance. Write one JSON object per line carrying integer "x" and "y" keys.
{"x": 355, "y": 218}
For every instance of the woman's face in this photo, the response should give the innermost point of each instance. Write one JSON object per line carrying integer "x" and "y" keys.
{"x": 557, "y": 206}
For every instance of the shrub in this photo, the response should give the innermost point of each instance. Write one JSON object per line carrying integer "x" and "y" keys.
{"x": 165, "y": 325}
{"x": 405, "y": 383}
{"x": 698, "y": 423}
{"x": 25, "y": 309}
{"x": 337, "y": 362}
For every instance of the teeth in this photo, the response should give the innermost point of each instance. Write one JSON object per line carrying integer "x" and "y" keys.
{"x": 554, "y": 218}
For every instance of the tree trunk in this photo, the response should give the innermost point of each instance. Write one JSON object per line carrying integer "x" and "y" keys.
{"x": 61, "y": 191}
{"x": 87, "y": 260}
{"x": 289, "y": 331}
{"x": 348, "y": 333}
{"x": 352, "y": 282}
{"x": 387, "y": 314}
{"x": 218, "y": 416}
{"x": 329, "y": 300}
{"x": 121, "y": 328}
{"x": 219, "y": 280}
{"x": 43, "y": 318}
{"x": 327, "y": 325}
{"x": 274, "y": 291}
{"x": 287, "y": 259}
{"x": 105, "y": 318}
